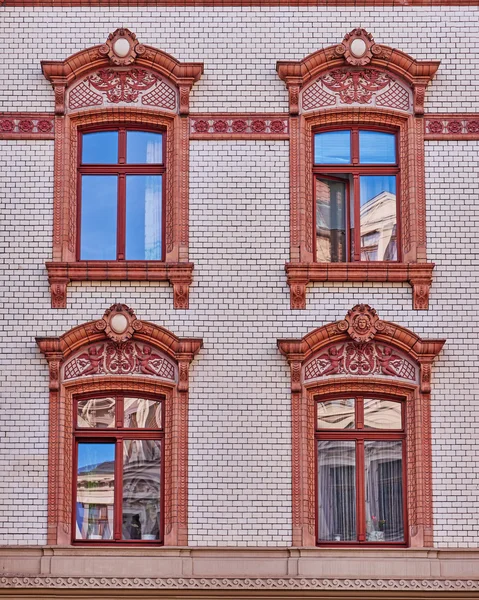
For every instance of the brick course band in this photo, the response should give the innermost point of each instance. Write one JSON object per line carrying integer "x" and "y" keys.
{"x": 26, "y": 126}
{"x": 451, "y": 126}
{"x": 233, "y": 3}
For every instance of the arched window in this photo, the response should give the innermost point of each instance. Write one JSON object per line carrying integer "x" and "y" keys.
{"x": 361, "y": 433}
{"x": 118, "y": 456}
{"x": 357, "y": 192}
{"x": 121, "y": 166}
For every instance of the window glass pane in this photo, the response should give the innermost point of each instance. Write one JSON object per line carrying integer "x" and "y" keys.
{"x": 336, "y": 490}
{"x": 376, "y": 147}
{"x": 378, "y": 217}
{"x": 384, "y": 491}
{"x": 144, "y": 147}
{"x": 336, "y": 414}
{"x": 332, "y": 147}
{"x": 330, "y": 220}
{"x": 100, "y": 147}
{"x": 141, "y": 413}
{"x": 143, "y": 217}
{"x": 141, "y": 489}
{"x": 98, "y": 217}
{"x": 382, "y": 414}
{"x": 95, "y": 491}
{"x": 96, "y": 412}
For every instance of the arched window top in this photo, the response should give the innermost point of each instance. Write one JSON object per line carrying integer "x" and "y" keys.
{"x": 122, "y": 71}
{"x": 357, "y": 72}
{"x": 362, "y": 345}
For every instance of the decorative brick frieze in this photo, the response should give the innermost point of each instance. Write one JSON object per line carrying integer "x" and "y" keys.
{"x": 319, "y": 366}
{"x": 27, "y": 126}
{"x": 293, "y": 584}
{"x": 78, "y": 364}
{"x": 451, "y": 126}
{"x": 239, "y": 126}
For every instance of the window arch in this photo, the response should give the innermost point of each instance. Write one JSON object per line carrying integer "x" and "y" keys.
{"x": 109, "y": 381}
{"x": 122, "y": 84}
{"x": 358, "y": 85}
{"x": 356, "y": 359}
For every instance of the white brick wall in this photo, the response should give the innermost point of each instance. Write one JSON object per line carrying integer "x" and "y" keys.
{"x": 239, "y": 221}
{"x": 239, "y": 48}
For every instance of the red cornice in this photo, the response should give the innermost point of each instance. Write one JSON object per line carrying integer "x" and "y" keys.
{"x": 91, "y": 59}
{"x": 400, "y": 4}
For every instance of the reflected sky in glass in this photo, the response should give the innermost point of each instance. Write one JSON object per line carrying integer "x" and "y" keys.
{"x": 144, "y": 147}
{"x": 98, "y": 217}
{"x": 91, "y": 455}
{"x": 100, "y": 147}
{"x": 332, "y": 147}
{"x": 377, "y": 147}
{"x": 143, "y": 217}
{"x": 373, "y": 185}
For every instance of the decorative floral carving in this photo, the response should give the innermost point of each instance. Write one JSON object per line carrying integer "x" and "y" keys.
{"x": 201, "y": 126}
{"x": 426, "y": 377}
{"x": 293, "y": 99}
{"x": 421, "y": 294}
{"x": 26, "y": 125}
{"x": 277, "y": 126}
{"x": 7, "y": 125}
{"x": 472, "y": 126}
{"x": 184, "y": 100}
{"x": 181, "y": 295}
{"x": 58, "y": 291}
{"x": 125, "y": 359}
{"x": 220, "y": 126}
{"x": 454, "y": 127}
{"x": 364, "y": 358}
{"x": 239, "y": 125}
{"x": 45, "y": 126}
{"x": 258, "y": 125}
{"x": 356, "y": 86}
{"x": 122, "y": 86}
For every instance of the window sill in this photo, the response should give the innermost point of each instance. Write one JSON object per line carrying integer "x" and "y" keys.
{"x": 60, "y": 274}
{"x": 418, "y": 275}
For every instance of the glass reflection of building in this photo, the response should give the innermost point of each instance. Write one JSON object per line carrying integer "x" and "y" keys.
{"x": 379, "y": 228}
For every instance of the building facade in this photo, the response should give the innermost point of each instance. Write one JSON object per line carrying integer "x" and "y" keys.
{"x": 239, "y": 299}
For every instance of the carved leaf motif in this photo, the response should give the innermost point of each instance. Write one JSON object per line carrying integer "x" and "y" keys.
{"x": 122, "y": 86}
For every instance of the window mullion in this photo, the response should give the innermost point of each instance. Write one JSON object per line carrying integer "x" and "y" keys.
{"x": 121, "y": 217}
{"x": 357, "y": 219}
{"x": 118, "y": 488}
{"x": 360, "y": 491}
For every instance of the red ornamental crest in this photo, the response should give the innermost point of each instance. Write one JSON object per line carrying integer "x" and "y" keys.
{"x": 361, "y": 323}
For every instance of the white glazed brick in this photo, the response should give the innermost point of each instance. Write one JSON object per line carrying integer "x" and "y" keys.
{"x": 240, "y": 461}
{"x": 239, "y": 47}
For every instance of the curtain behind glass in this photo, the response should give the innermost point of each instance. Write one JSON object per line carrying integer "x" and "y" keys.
{"x": 336, "y": 490}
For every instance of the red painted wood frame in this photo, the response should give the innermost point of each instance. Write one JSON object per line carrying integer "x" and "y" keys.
{"x": 418, "y": 424}
{"x": 360, "y": 435}
{"x": 356, "y": 170}
{"x": 61, "y": 423}
{"x": 118, "y": 435}
{"x": 122, "y": 169}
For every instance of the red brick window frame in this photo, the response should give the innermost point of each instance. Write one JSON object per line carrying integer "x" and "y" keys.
{"x": 144, "y": 88}
{"x": 93, "y": 359}
{"x": 362, "y": 355}
{"x": 382, "y": 88}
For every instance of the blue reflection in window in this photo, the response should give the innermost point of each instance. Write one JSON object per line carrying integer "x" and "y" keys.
{"x": 100, "y": 148}
{"x": 98, "y": 217}
{"x": 99, "y": 457}
{"x": 143, "y": 217}
{"x": 332, "y": 147}
{"x": 377, "y": 147}
{"x": 374, "y": 185}
{"x": 144, "y": 147}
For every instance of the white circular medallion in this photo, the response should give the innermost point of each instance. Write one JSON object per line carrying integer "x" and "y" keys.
{"x": 121, "y": 47}
{"x": 358, "y": 47}
{"x": 119, "y": 323}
